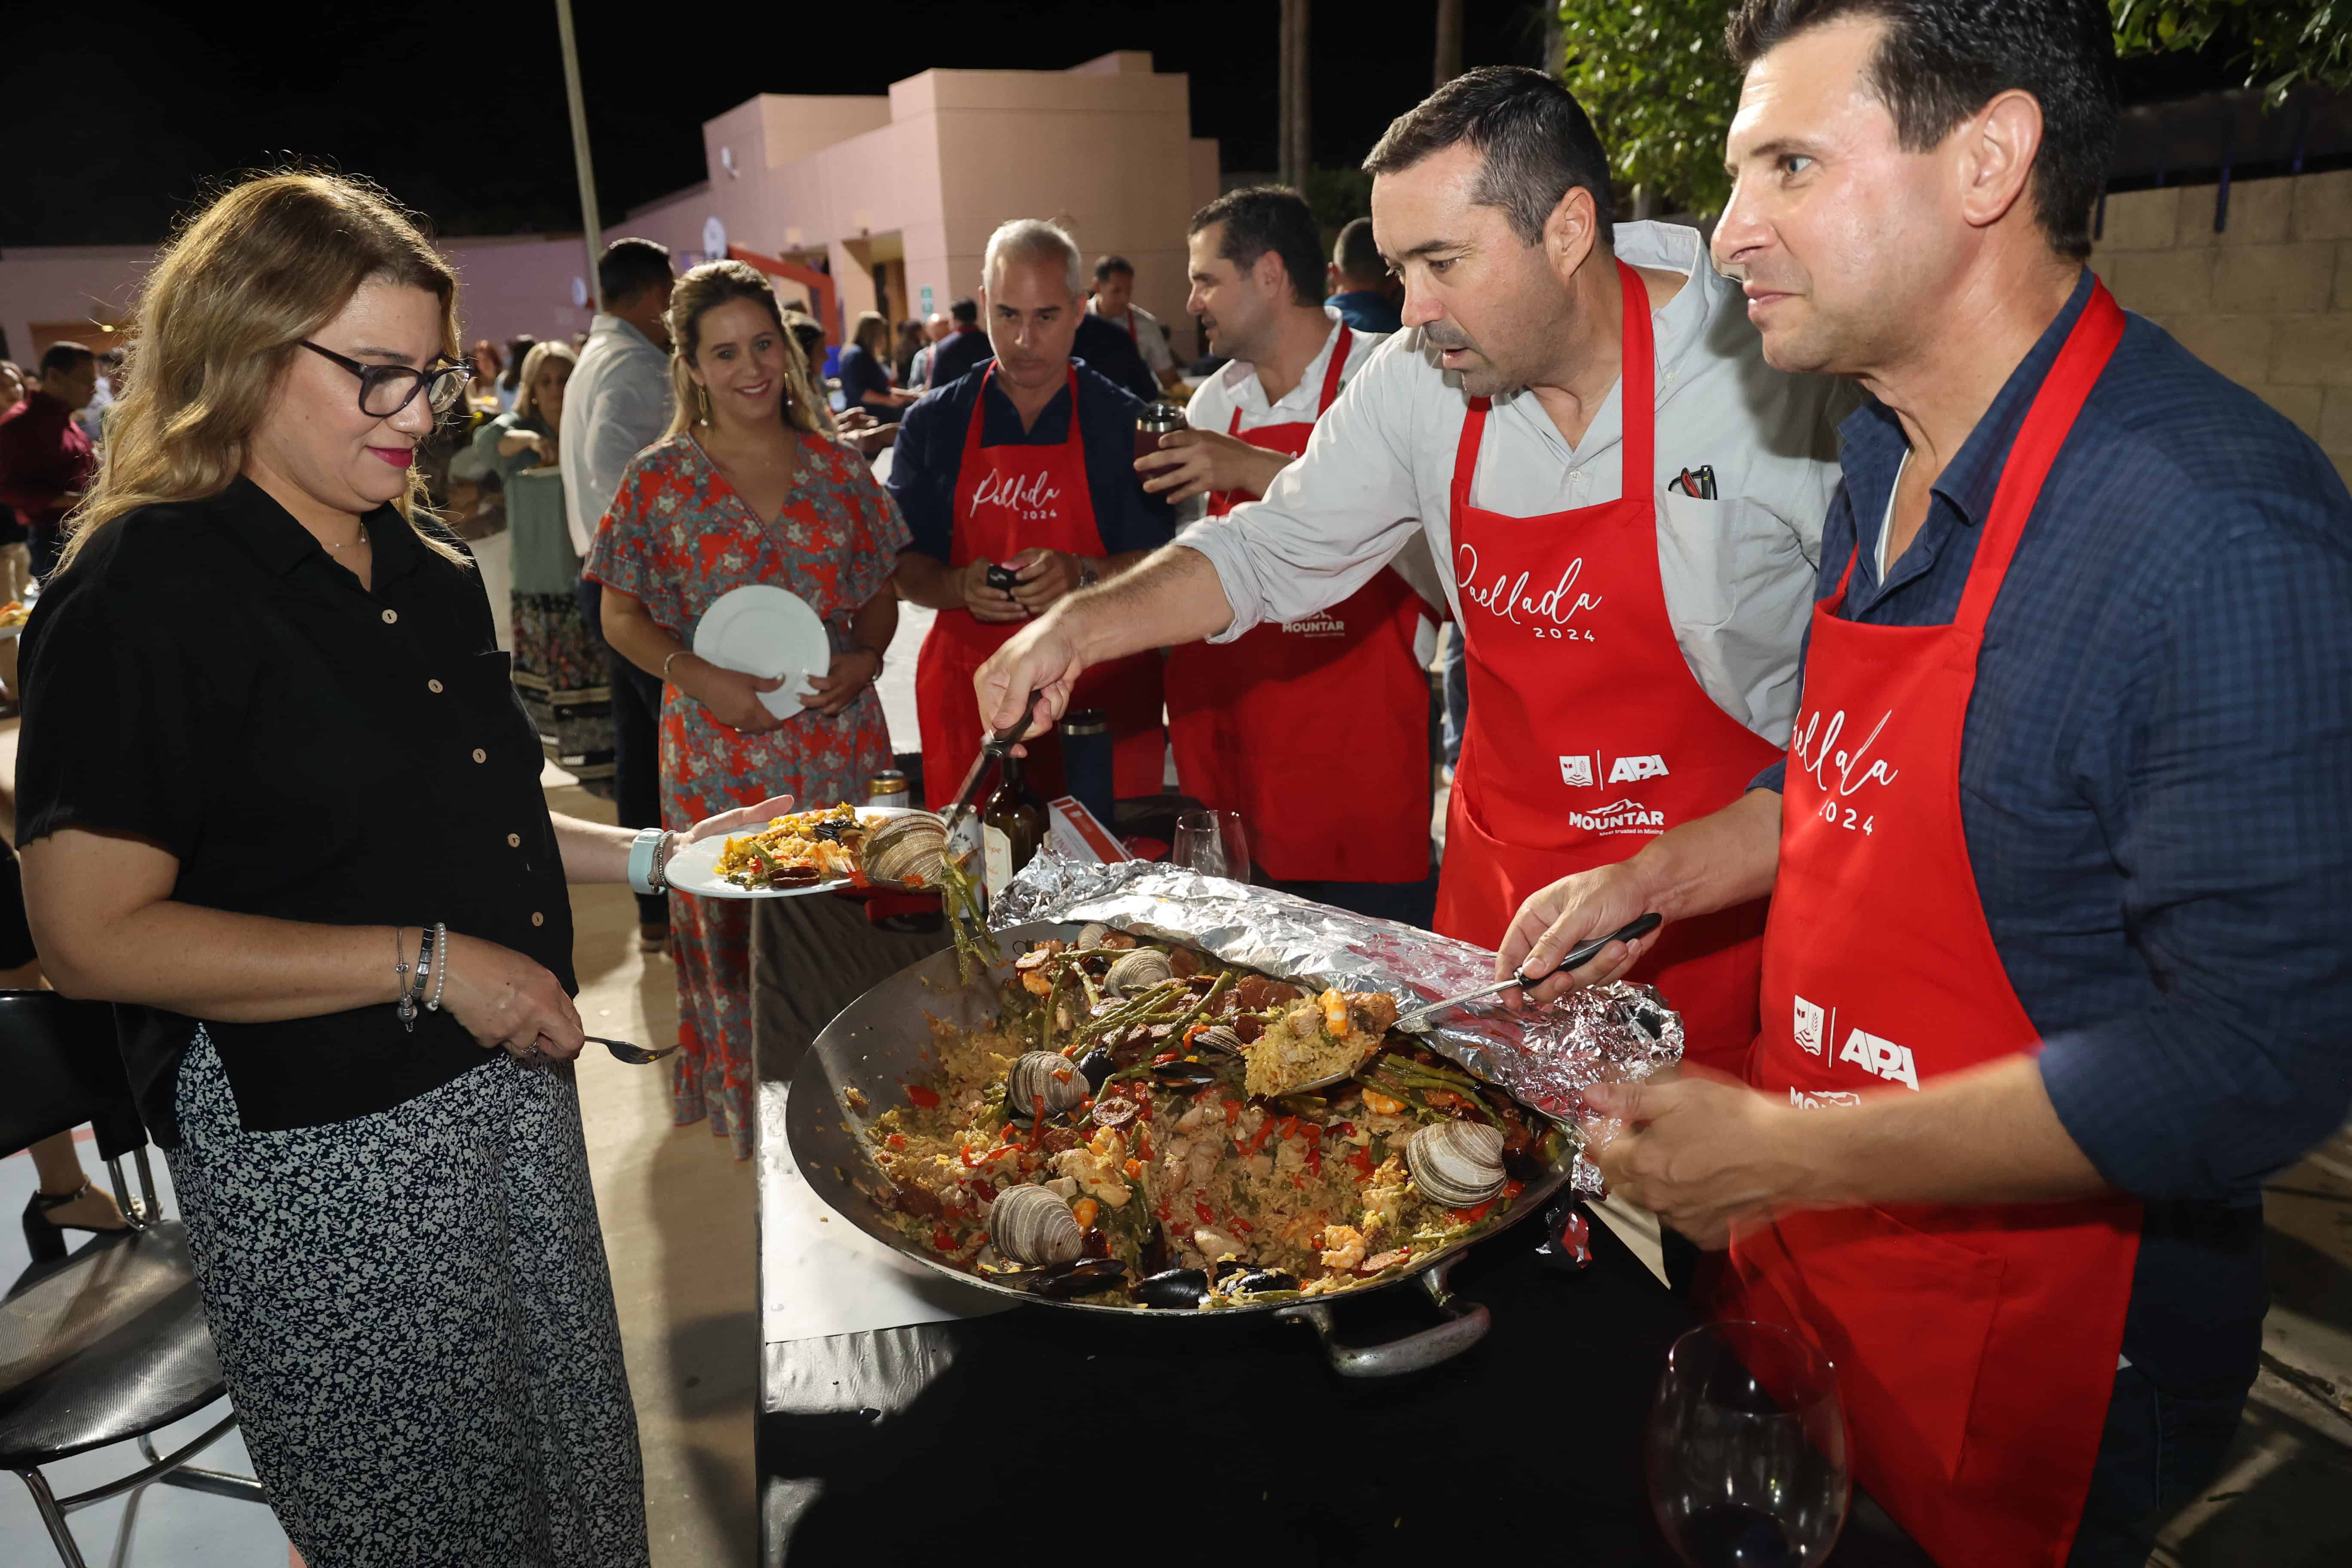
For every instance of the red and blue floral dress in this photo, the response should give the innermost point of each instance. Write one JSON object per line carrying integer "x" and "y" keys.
{"x": 678, "y": 537}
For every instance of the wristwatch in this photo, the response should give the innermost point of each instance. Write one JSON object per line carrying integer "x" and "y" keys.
{"x": 1087, "y": 575}
{"x": 649, "y": 854}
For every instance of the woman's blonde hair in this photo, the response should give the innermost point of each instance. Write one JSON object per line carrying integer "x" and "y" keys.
{"x": 221, "y": 314}
{"x": 525, "y": 404}
{"x": 702, "y": 291}
{"x": 873, "y": 334}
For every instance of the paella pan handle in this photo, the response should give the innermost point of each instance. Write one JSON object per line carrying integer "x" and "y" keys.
{"x": 1465, "y": 1324}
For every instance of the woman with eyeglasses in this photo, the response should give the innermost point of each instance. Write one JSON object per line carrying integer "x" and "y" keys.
{"x": 277, "y": 799}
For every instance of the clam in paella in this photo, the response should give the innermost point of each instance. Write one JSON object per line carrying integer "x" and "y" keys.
{"x": 1102, "y": 1141}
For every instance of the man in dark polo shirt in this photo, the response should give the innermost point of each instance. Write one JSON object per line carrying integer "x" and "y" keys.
{"x": 1024, "y": 464}
{"x": 2056, "y": 975}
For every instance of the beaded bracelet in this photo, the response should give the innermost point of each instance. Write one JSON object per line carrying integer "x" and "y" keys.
{"x": 441, "y": 977}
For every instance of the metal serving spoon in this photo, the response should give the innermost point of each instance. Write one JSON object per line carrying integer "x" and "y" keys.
{"x": 1576, "y": 957}
{"x": 998, "y": 745}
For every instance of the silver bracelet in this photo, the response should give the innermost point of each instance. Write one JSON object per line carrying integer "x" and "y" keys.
{"x": 673, "y": 658}
{"x": 441, "y": 974}
{"x": 400, "y": 1003}
{"x": 422, "y": 970}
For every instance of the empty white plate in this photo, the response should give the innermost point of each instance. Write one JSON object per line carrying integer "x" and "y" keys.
{"x": 766, "y": 631}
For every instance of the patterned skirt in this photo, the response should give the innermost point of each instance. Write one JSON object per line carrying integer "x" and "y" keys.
{"x": 559, "y": 672}
{"x": 414, "y": 1316}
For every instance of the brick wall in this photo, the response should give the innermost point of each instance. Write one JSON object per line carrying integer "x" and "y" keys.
{"x": 2267, "y": 301}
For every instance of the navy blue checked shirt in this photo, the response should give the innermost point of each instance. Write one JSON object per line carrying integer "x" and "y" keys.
{"x": 2156, "y": 786}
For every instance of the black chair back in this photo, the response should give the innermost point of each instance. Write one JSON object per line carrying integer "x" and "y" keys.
{"x": 60, "y": 1066}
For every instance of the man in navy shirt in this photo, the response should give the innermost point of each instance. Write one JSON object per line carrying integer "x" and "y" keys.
{"x": 964, "y": 346}
{"x": 1024, "y": 467}
{"x": 2056, "y": 975}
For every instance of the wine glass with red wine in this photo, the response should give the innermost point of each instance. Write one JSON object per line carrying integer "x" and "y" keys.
{"x": 1747, "y": 1449}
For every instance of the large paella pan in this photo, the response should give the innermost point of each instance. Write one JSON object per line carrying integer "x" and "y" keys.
{"x": 1161, "y": 1172}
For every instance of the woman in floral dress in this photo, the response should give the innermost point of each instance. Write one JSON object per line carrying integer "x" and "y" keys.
{"x": 744, "y": 490}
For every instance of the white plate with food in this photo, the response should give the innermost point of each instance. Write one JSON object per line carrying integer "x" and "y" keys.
{"x": 823, "y": 851}
{"x": 766, "y": 631}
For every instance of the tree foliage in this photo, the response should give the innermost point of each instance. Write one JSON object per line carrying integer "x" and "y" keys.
{"x": 2281, "y": 43}
{"x": 1653, "y": 75}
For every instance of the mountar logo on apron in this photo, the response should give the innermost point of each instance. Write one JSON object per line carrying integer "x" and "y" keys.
{"x": 1322, "y": 624}
{"x": 1628, "y": 815}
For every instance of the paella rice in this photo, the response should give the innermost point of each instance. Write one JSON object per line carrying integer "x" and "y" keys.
{"x": 1183, "y": 1185}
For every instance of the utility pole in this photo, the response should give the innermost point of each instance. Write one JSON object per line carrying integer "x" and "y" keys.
{"x": 1449, "y": 41}
{"x": 1297, "y": 142}
{"x": 592, "y": 229}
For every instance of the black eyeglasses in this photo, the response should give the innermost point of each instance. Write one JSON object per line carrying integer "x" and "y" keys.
{"x": 387, "y": 389}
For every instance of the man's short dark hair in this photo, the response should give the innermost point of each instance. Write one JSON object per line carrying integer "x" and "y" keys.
{"x": 64, "y": 356}
{"x": 1939, "y": 61}
{"x": 1358, "y": 254}
{"x": 630, "y": 267}
{"x": 964, "y": 311}
{"x": 1110, "y": 264}
{"x": 1260, "y": 218}
{"x": 1537, "y": 140}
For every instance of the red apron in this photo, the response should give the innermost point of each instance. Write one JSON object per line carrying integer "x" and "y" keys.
{"x": 1010, "y": 499}
{"x": 1235, "y": 711}
{"x": 1976, "y": 1346}
{"x": 1588, "y": 734}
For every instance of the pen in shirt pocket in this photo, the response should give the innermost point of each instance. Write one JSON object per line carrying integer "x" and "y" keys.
{"x": 1697, "y": 483}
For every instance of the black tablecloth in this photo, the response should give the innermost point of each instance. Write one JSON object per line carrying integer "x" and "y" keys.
{"x": 1178, "y": 1441}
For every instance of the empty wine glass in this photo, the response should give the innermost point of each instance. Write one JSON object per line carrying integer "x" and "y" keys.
{"x": 1747, "y": 1449}
{"x": 1212, "y": 843}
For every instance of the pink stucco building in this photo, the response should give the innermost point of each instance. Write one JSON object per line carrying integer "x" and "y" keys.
{"x": 894, "y": 196}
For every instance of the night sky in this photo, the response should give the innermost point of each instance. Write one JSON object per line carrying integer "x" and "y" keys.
{"x": 459, "y": 110}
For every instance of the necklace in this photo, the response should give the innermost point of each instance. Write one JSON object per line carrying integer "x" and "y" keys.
{"x": 362, "y": 538}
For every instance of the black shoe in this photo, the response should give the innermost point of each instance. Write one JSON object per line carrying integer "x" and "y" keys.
{"x": 46, "y": 1237}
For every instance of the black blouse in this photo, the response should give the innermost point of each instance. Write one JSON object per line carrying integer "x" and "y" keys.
{"x": 207, "y": 678}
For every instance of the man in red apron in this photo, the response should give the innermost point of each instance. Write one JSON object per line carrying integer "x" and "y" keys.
{"x": 1234, "y": 707}
{"x": 1022, "y": 464}
{"x": 2054, "y": 976}
{"x": 1627, "y": 498}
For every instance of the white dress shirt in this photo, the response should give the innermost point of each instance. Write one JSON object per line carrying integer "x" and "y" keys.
{"x": 1236, "y": 386}
{"x": 616, "y": 404}
{"x": 1737, "y": 571}
{"x": 1151, "y": 337}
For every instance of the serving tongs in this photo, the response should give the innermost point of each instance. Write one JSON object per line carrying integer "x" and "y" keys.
{"x": 997, "y": 747}
{"x": 1576, "y": 957}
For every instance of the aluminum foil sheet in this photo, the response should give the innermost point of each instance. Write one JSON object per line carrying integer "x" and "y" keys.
{"x": 1545, "y": 1058}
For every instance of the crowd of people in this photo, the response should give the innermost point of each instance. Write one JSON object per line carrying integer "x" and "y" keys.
{"x": 2031, "y": 599}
